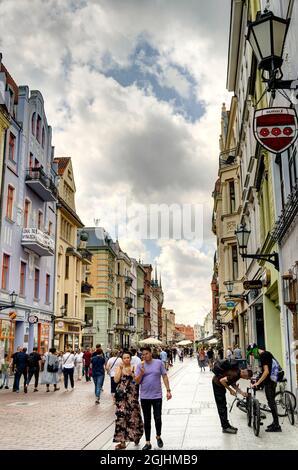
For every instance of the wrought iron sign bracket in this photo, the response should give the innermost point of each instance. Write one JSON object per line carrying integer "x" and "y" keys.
{"x": 270, "y": 258}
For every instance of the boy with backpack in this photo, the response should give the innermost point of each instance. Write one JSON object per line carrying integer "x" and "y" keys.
{"x": 226, "y": 375}
{"x": 34, "y": 361}
{"x": 271, "y": 374}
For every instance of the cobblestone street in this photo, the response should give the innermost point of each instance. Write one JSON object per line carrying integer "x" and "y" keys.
{"x": 71, "y": 420}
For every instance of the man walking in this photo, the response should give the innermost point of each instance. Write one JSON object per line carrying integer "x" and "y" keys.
{"x": 87, "y": 361}
{"x": 210, "y": 355}
{"x": 79, "y": 363}
{"x": 148, "y": 375}
{"x": 267, "y": 362}
{"x": 226, "y": 376}
{"x": 163, "y": 357}
{"x": 34, "y": 361}
{"x": 98, "y": 371}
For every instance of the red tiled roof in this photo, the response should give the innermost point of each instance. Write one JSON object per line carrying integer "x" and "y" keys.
{"x": 62, "y": 164}
{"x": 10, "y": 82}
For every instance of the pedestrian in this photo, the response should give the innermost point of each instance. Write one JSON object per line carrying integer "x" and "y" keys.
{"x": 148, "y": 375}
{"x": 227, "y": 374}
{"x": 174, "y": 350}
{"x": 237, "y": 352}
{"x": 79, "y": 364}
{"x": 98, "y": 361}
{"x": 129, "y": 424}
{"x": 164, "y": 357}
{"x": 210, "y": 356}
{"x": 20, "y": 366}
{"x": 5, "y": 372}
{"x": 135, "y": 360}
{"x": 50, "y": 371}
{"x": 201, "y": 358}
{"x": 111, "y": 366}
{"x": 87, "y": 361}
{"x": 270, "y": 370}
{"x": 220, "y": 353}
{"x": 229, "y": 353}
{"x": 34, "y": 362}
{"x": 181, "y": 354}
{"x": 68, "y": 365}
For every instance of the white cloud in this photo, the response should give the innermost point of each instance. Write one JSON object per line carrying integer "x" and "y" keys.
{"x": 123, "y": 141}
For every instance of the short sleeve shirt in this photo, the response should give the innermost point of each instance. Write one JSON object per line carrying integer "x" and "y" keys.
{"x": 151, "y": 381}
{"x": 266, "y": 360}
{"x": 232, "y": 375}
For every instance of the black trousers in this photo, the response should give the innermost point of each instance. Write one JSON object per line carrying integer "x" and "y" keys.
{"x": 270, "y": 390}
{"x": 86, "y": 372}
{"x": 221, "y": 403}
{"x": 146, "y": 407}
{"x": 68, "y": 373}
{"x": 35, "y": 372}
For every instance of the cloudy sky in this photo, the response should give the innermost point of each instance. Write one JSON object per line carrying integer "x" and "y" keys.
{"x": 133, "y": 90}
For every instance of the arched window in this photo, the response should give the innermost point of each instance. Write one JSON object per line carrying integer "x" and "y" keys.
{"x": 38, "y": 126}
{"x": 43, "y": 137}
{"x": 33, "y": 123}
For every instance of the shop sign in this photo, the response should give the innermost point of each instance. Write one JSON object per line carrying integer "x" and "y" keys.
{"x": 230, "y": 305}
{"x": 255, "y": 284}
{"x": 12, "y": 315}
{"x": 276, "y": 129}
{"x": 74, "y": 329}
{"x": 60, "y": 325}
{"x": 32, "y": 319}
{"x": 91, "y": 330}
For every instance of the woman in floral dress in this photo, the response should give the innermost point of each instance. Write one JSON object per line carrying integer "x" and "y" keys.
{"x": 129, "y": 423}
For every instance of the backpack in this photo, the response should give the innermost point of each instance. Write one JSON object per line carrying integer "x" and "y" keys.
{"x": 277, "y": 374}
{"x": 31, "y": 361}
{"x": 223, "y": 365}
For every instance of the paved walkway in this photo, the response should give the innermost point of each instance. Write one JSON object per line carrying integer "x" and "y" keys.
{"x": 71, "y": 420}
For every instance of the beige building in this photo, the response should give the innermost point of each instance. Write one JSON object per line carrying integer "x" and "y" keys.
{"x": 140, "y": 301}
{"x": 226, "y": 217}
{"x": 168, "y": 325}
{"x": 72, "y": 287}
{"x": 124, "y": 300}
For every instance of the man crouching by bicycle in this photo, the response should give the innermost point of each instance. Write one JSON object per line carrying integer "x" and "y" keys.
{"x": 226, "y": 375}
{"x": 268, "y": 363}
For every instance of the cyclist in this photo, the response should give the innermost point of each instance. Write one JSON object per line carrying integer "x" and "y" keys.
{"x": 226, "y": 375}
{"x": 266, "y": 360}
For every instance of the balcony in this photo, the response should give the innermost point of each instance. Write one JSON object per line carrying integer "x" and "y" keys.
{"x": 37, "y": 241}
{"x": 128, "y": 302}
{"x": 128, "y": 281}
{"x": 41, "y": 184}
{"x": 227, "y": 158}
{"x": 86, "y": 289}
{"x": 86, "y": 256}
{"x": 287, "y": 216}
{"x": 122, "y": 326}
{"x": 140, "y": 311}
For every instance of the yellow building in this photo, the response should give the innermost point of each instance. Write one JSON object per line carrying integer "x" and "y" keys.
{"x": 4, "y": 114}
{"x": 72, "y": 262}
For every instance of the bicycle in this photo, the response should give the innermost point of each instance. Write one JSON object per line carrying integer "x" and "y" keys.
{"x": 286, "y": 402}
{"x": 251, "y": 406}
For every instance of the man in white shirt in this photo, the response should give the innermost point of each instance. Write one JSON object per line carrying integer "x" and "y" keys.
{"x": 111, "y": 366}
{"x": 68, "y": 365}
{"x": 79, "y": 363}
{"x": 135, "y": 360}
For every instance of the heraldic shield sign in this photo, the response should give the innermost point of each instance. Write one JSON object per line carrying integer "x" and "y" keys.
{"x": 276, "y": 129}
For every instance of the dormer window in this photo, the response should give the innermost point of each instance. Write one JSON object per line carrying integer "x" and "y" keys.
{"x": 33, "y": 123}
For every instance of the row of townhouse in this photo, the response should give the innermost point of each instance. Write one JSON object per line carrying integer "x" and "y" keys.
{"x": 62, "y": 284}
{"x": 258, "y": 190}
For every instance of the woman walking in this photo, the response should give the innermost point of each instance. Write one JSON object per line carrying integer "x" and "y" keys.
{"x": 50, "y": 372}
{"x": 129, "y": 424}
{"x": 68, "y": 364}
{"x": 111, "y": 366}
{"x": 202, "y": 358}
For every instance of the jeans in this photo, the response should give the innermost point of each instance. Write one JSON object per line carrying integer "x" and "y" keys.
{"x": 86, "y": 372}
{"x": 34, "y": 371}
{"x": 79, "y": 367}
{"x": 270, "y": 390}
{"x": 4, "y": 377}
{"x": 146, "y": 407}
{"x": 221, "y": 403}
{"x": 17, "y": 378}
{"x": 98, "y": 382}
{"x": 68, "y": 373}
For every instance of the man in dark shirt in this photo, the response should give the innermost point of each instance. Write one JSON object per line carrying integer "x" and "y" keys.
{"x": 20, "y": 365}
{"x": 34, "y": 361}
{"x": 265, "y": 358}
{"x": 87, "y": 361}
{"x": 98, "y": 371}
{"x": 224, "y": 381}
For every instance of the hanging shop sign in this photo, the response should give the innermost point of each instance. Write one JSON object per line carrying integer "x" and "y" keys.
{"x": 32, "y": 319}
{"x": 12, "y": 315}
{"x": 276, "y": 129}
{"x": 230, "y": 305}
{"x": 255, "y": 284}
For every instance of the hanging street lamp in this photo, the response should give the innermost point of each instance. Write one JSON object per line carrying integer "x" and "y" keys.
{"x": 242, "y": 235}
{"x": 13, "y": 298}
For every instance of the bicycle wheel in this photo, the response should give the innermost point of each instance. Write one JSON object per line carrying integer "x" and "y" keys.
{"x": 256, "y": 417}
{"x": 280, "y": 400}
{"x": 290, "y": 409}
{"x": 249, "y": 410}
